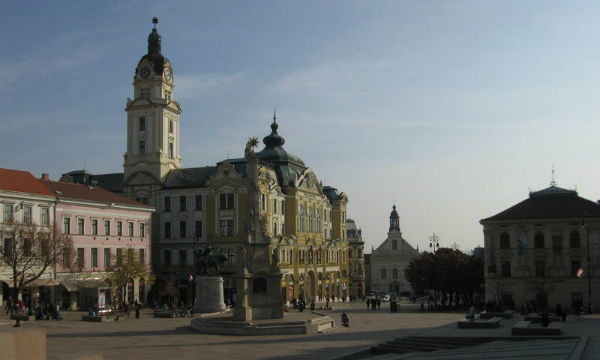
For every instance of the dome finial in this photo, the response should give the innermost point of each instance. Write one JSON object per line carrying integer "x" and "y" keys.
{"x": 553, "y": 182}
{"x": 274, "y": 116}
{"x": 155, "y": 21}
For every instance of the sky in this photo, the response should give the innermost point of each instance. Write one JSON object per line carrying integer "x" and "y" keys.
{"x": 452, "y": 110}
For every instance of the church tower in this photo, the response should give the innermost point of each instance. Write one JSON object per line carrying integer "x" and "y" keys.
{"x": 152, "y": 124}
{"x": 394, "y": 220}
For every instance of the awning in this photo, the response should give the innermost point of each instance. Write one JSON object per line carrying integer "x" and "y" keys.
{"x": 92, "y": 284}
{"x": 69, "y": 285}
{"x": 35, "y": 283}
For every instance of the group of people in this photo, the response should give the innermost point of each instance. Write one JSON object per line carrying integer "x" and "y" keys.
{"x": 395, "y": 306}
{"x": 374, "y": 304}
{"x": 47, "y": 312}
{"x": 16, "y": 307}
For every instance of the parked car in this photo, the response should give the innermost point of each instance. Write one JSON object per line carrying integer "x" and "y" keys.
{"x": 385, "y": 298}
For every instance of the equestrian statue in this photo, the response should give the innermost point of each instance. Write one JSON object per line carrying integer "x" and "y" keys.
{"x": 210, "y": 259}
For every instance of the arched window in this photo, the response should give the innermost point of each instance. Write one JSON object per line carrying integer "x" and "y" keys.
{"x": 319, "y": 223}
{"x": 395, "y": 274}
{"x": 383, "y": 274}
{"x": 504, "y": 241}
{"x": 274, "y": 226}
{"x": 394, "y": 245}
{"x": 300, "y": 218}
{"x": 575, "y": 239}
{"x": 539, "y": 240}
{"x": 310, "y": 218}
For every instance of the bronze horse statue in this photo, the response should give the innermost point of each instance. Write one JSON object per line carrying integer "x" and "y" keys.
{"x": 210, "y": 260}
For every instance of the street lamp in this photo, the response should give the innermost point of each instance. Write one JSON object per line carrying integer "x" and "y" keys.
{"x": 589, "y": 262}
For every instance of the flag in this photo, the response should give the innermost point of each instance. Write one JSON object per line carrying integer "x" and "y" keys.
{"x": 579, "y": 272}
{"x": 191, "y": 277}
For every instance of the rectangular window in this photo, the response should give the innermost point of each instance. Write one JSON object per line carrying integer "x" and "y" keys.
{"x": 107, "y": 227}
{"x": 168, "y": 204}
{"x": 94, "y": 257}
{"x": 167, "y": 258}
{"x": 231, "y": 257}
{"x": 106, "y": 257}
{"x": 66, "y": 225}
{"x": 171, "y": 152}
{"x": 80, "y": 226}
{"x": 142, "y": 256}
{"x": 94, "y": 227}
{"x": 8, "y": 213}
{"x": 182, "y": 258}
{"x": 182, "y": 229}
{"x": 223, "y": 227}
{"x": 274, "y": 210}
{"x": 119, "y": 257}
{"x": 66, "y": 258}
{"x": 540, "y": 268}
{"x": 230, "y": 201}
{"x": 167, "y": 229}
{"x": 575, "y": 266}
{"x": 130, "y": 256}
{"x": 119, "y": 228}
{"x": 183, "y": 203}
{"x": 130, "y": 229}
{"x": 8, "y": 247}
{"x": 45, "y": 216}
{"x": 282, "y": 207}
{"x": 229, "y": 227}
{"x": 263, "y": 202}
{"x": 198, "y": 228}
{"x": 506, "y": 268}
{"x": 142, "y": 230}
{"x": 80, "y": 258}
{"x": 142, "y": 148}
{"x": 198, "y": 199}
{"x": 142, "y": 124}
{"x": 27, "y": 246}
{"x": 170, "y": 126}
{"x": 226, "y": 201}
{"x": 27, "y": 214}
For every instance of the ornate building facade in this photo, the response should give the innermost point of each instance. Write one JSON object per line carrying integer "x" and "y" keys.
{"x": 305, "y": 220}
{"x": 390, "y": 259}
{"x": 356, "y": 257}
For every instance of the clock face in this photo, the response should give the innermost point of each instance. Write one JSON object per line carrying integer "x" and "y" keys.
{"x": 145, "y": 72}
{"x": 168, "y": 75}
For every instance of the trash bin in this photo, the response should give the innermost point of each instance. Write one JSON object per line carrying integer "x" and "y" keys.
{"x": 137, "y": 313}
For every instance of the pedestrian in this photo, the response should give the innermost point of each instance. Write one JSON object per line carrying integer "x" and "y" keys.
{"x": 422, "y": 307}
{"x": 378, "y": 304}
{"x": 392, "y": 306}
{"x": 368, "y": 304}
{"x": 9, "y": 306}
{"x": 312, "y": 306}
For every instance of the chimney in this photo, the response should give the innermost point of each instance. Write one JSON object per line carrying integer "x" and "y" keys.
{"x": 45, "y": 177}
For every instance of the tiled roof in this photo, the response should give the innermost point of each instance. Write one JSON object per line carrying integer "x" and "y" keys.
{"x": 189, "y": 178}
{"x": 21, "y": 181}
{"x": 550, "y": 203}
{"x": 112, "y": 182}
{"x": 84, "y": 192}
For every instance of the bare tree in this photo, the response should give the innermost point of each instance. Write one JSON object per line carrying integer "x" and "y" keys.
{"x": 128, "y": 266}
{"x": 28, "y": 250}
{"x": 499, "y": 285}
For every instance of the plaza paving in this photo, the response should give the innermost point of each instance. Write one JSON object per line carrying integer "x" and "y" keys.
{"x": 160, "y": 338}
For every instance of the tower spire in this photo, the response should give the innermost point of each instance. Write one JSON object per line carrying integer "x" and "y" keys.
{"x": 553, "y": 182}
{"x": 155, "y": 21}
{"x": 274, "y": 116}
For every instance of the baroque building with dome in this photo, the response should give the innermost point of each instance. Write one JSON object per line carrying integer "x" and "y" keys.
{"x": 388, "y": 261}
{"x": 305, "y": 219}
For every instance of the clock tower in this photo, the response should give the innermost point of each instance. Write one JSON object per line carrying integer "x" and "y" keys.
{"x": 152, "y": 124}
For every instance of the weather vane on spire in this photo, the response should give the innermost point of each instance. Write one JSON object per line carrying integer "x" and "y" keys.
{"x": 155, "y": 21}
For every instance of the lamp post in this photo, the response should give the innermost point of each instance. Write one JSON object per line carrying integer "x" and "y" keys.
{"x": 196, "y": 238}
{"x": 589, "y": 265}
{"x": 434, "y": 243}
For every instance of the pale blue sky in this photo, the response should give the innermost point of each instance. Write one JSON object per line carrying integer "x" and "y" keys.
{"x": 454, "y": 109}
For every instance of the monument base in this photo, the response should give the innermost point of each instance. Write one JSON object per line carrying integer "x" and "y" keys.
{"x": 209, "y": 295}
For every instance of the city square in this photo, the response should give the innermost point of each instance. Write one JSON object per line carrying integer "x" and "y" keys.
{"x": 268, "y": 180}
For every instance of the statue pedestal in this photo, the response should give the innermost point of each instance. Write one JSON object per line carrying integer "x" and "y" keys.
{"x": 209, "y": 295}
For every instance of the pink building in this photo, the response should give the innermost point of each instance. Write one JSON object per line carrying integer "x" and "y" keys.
{"x": 104, "y": 227}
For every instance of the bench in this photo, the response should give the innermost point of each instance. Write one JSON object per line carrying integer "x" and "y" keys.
{"x": 537, "y": 318}
{"x": 479, "y": 324}
{"x": 530, "y": 328}
{"x": 508, "y": 314}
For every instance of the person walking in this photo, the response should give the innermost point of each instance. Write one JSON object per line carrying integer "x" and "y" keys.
{"x": 368, "y": 304}
{"x": 422, "y": 307}
{"x": 9, "y": 306}
{"x": 378, "y": 304}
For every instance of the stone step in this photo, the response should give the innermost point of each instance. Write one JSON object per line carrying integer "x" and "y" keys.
{"x": 433, "y": 343}
{"x": 407, "y": 347}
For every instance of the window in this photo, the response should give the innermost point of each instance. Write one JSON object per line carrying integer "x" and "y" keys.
{"x": 167, "y": 229}
{"x": 359, "y": 253}
{"x": 167, "y": 95}
{"x": 557, "y": 244}
{"x": 198, "y": 201}
{"x": 143, "y": 199}
{"x": 395, "y": 274}
{"x": 142, "y": 147}
{"x": 383, "y": 274}
{"x": 182, "y": 258}
{"x": 142, "y": 256}
{"x": 226, "y": 201}
{"x": 282, "y": 207}
{"x": 539, "y": 240}
{"x": 106, "y": 257}
{"x": 145, "y": 93}
{"x": 575, "y": 239}
{"x": 275, "y": 226}
{"x": 575, "y": 266}
{"x": 319, "y": 222}
{"x": 263, "y": 202}
{"x": 80, "y": 257}
{"x": 301, "y": 218}
{"x": 27, "y": 247}
{"x": 231, "y": 257}
{"x": 274, "y": 210}
{"x": 168, "y": 204}
{"x": 94, "y": 257}
{"x": 394, "y": 245}
{"x": 66, "y": 258}
{"x": 360, "y": 269}
{"x": 171, "y": 152}
{"x": 142, "y": 124}
{"x": 130, "y": 229}
{"x": 310, "y": 218}
{"x": 540, "y": 268}
{"x": 182, "y": 203}
{"x": 27, "y": 214}
{"x": 198, "y": 228}
{"x": 170, "y": 126}
{"x": 66, "y": 225}
{"x": 8, "y": 213}
{"x": 504, "y": 241}
{"x": 107, "y": 227}
{"x": 119, "y": 228}
{"x": 45, "y": 216}
{"x": 223, "y": 227}
{"x": 80, "y": 226}
{"x": 182, "y": 229}
{"x": 8, "y": 249}
{"x": 119, "y": 257}
{"x": 506, "y": 268}
{"x": 94, "y": 227}
{"x": 142, "y": 230}
{"x": 167, "y": 258}
{"x": 229, "y": 227}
